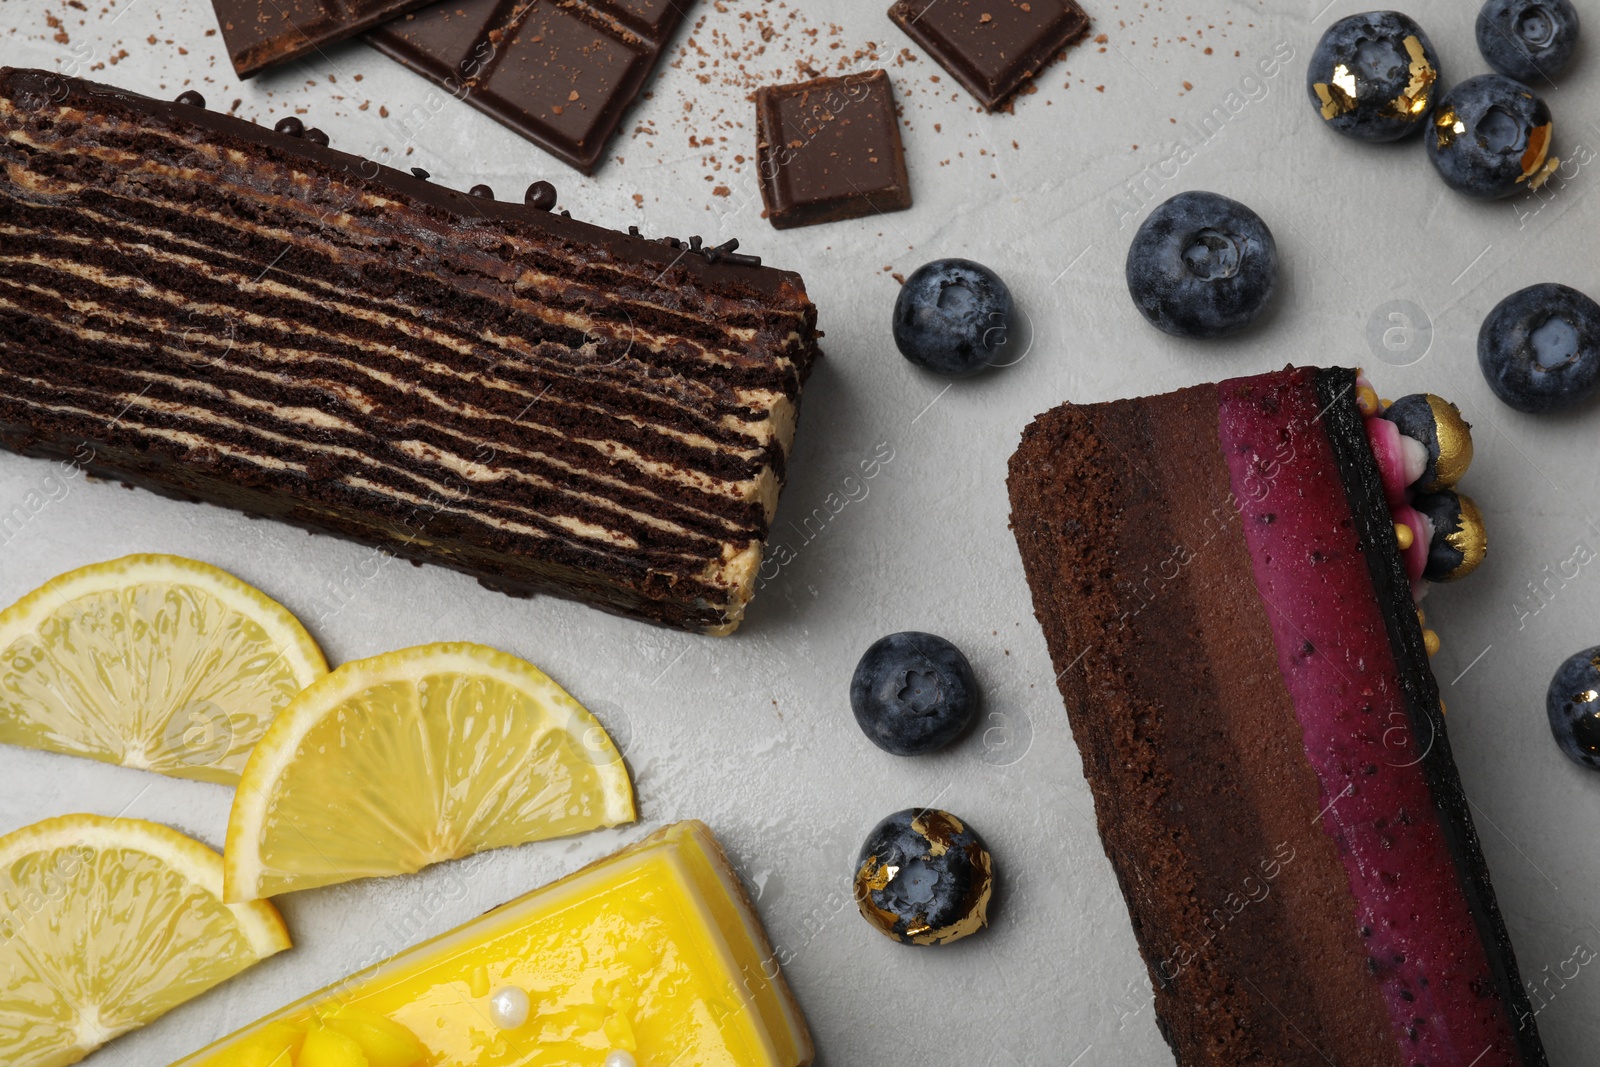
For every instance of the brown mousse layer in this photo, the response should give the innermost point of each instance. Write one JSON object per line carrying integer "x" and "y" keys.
{"x": 1208, "y": 809}
{"x": 225, "y": 313}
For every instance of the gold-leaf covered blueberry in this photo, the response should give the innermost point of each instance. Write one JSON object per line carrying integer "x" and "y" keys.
{"x": 1573, "y": 705}
{"x": 924, "y": 877}
{"x": 1459, "y": 542}
{"x": 1373, "y": 76}
{"x": 1436, "y": 424}
{"x": 1492, "y": 138}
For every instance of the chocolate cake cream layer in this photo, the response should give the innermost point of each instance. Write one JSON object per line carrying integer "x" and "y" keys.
{"x": 1220, "y": 577}
{"x": 226, "y": 313}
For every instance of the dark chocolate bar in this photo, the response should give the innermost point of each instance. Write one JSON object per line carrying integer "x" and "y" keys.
{"x": 829, "y": 149}
{"x": 220, "y": 312}
{"x": 561, "y": 73}
{"x": 264, "y": 33}
{"x": 991, "y": 46}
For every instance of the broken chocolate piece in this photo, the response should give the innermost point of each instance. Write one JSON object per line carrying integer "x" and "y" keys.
{"x": 562, "y": 74}
{"x": 265, "y": 33}
{"x": 991, "y": 46}
{"x": 829, "y": 149}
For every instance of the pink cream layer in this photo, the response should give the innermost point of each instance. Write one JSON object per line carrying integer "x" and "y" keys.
{"x": 1335, "y": 657}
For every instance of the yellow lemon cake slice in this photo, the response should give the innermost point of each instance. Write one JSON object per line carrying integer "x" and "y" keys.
{"x": 650, "y": 957}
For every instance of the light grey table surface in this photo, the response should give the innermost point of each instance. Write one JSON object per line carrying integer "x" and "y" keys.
{"x": 753, "y": 733}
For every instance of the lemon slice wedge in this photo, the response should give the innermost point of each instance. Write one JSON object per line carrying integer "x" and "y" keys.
{"x": 107, "y": 924}
{"x": 409, "y": 758}
{"x": 156, "y": 662}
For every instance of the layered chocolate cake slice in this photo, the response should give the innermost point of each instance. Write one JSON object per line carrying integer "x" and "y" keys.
{"x": 221, "y": 312}
{"x": 1227, "y": 580}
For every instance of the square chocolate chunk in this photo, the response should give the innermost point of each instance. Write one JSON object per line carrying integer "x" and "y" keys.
{"x": 829, "y": 149}
{"x": 991, "y": 46}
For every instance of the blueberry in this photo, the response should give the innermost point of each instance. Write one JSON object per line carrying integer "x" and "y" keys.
{"x": 923, "y": 877}
{"x": 1491, "y": 138}
{"x": 1539, "y": 349}
{"x": 953, "y": 317}
{"x": 1372, "y": 76}
{"x": 1202, "y": 266}
{"x": 1459, "y": 542}
{"x": 1573, "y": 705}
{"x": 913, "y": 693}
{"x": 1437, "y": 425}
{"x": 1529, "y": 40}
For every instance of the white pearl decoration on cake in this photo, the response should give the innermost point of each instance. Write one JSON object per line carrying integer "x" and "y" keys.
{"x": 620, "y": 1058}
{"x": 509, "y": 1007}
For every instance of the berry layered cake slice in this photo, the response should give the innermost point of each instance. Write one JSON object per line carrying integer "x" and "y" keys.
{"x": 1228, "y": 578}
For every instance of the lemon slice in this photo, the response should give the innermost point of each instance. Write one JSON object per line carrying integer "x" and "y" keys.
{"x": 427, "y": 754}
{"x": 156, "y": 662}
{"x": 107, "y": 924}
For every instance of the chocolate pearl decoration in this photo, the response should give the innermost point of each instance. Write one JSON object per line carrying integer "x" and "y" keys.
{"x": 541, "y": 196}
{"x": 481, "y": 190}
{"x": 190, "y": 98}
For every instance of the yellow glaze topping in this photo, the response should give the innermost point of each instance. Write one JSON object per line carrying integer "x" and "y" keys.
{"x": 654, "y": 951}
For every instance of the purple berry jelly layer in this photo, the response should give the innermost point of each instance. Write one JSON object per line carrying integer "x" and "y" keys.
{"x": 1425, "y": 948}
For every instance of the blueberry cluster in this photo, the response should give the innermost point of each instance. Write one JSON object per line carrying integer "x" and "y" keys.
{"x": 922, "y": 877}
{"x": 1376, "y": 77}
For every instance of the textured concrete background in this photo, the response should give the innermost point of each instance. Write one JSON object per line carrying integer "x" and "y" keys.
{"x": 753, "y": 733}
